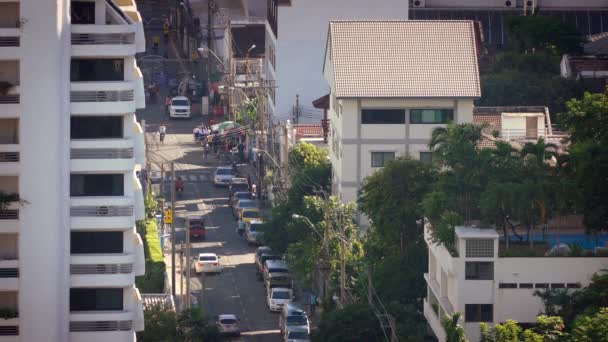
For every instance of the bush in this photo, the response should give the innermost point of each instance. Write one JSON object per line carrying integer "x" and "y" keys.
{"x": 154, "y": 279}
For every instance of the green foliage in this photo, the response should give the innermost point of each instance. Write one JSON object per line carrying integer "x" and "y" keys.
{"x": 547, "y": 329}
{"x": 7, "y": 198}
{"x": 454, "y": 331}
{"x": 354, "y": 323}
{"x": 445, "y": 231}
{"x": 305, "y": 155}
{"x": 587, "y": 118}
{"x": 160, "y": 324}
{"x": 593, "y": 328}
{"x": 150, "y": 204}
{"x": 154, "y": 279}
{"x": 544, "y": 33}
{"x": 193, "y": 325}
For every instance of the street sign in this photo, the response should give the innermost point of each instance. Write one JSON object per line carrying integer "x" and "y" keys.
{"x": 168, "y": 216}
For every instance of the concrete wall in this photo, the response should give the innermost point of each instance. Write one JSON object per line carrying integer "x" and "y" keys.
{"x": 302, "y": 34}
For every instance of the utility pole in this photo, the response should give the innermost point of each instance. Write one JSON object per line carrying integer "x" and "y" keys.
{"x": 343, "y": 272}
{"x": 296, "y": 114}
{"x": 181, "y": 279}
{"x": 187, "y": 271}
{"x": 173, "y": 228}
{"x": 210, "y": 6}
{"x": 325, "y": 264}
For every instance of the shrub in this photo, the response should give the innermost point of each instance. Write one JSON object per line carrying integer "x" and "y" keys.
{"x": 154, "y": 279}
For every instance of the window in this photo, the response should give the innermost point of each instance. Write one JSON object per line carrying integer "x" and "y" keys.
{"x": 96, "y": 242}
{"x": 96, "y": 185}
{"x": 558, "y": 286}
{"x": 541, "y": 286}
{"x": 479, "y": 271}
{"x": 526, "y": 285}
{"x": 507, "y": 285}
{"x": 95, "y": 299}
{"x": 96, "y": 127}
{"x": 478, "y": 313}
{"x": 426, "y": 157}
{"x": 431, "y": 116}
{"x": 573, "y": 286}
{"x": 83, "y": 70}
{"x": 382, "y": 116}
{"x": 379, "y": 159}
{"x": 479, "y": 248}
{"x": 83, "y": 12}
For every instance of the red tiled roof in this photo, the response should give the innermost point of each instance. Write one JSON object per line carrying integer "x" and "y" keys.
{"x": 308, "y": 131}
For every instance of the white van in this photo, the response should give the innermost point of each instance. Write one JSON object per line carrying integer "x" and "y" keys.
{"x": 179, "y": 107}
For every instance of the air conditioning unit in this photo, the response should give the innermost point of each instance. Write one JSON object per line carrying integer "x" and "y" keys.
{"x": 419, "y": 3}
{"x": 510, "y": 3}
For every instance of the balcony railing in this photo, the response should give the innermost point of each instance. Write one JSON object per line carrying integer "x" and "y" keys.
{"x": 101, "y": 96}
{"x": 9, "y": 99}
{"x": 9, "y": 214}
{"x": 102, "y": 211}
{"x": 9, "y": 157}
{"x": 9, "y": 330}
{"x": 101, "y": 326}
{"x": 9, "y": 41}
{"x": 248, "y": 67}
{"x": 103, "y": 38}
{"x": 9, "y": 273}
{"x": 102, "y": 269}
{"x": 101, "y": 153}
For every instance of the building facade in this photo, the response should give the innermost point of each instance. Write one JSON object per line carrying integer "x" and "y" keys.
{"x": 475, "y": 280}
{"x": 391, "y": 83}
{"x": 69, "y": 150}
{"x": 301, "y": 35}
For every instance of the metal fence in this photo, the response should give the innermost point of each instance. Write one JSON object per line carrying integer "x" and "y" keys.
{"x": 9, "y": 273}
{"x": 9, "y": 214}
{"x": 9, "y": 330}
{"x": 101, "y": 326}
{"x": 9, "y": 41}
{"x": 101, "y": 153}
{"x": 101, "y": 269}
{"x": 103, "y": 38}
{"x": 9, "y": 157}
{"x": 108, "y": 211}
{"x": 101, "y": 96}
{"x": 8, "y": 99}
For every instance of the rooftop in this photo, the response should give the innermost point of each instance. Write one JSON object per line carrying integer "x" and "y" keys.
{"x": 404, "y": 58}
{"x": 474, "y": 232}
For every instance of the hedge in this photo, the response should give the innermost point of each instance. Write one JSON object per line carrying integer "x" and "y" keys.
{"x": 154, "y": 279}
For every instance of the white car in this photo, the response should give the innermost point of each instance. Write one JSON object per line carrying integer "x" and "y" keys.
{"x": 208, "y": 263}
{"x": 223, "y": 175}
{"x": 179, "y": 107}
{"x": 228, "y": 324}
{"x": 277, "y": 297}
{"x": 253, "y": 233}
{"x": 296, "y": 334}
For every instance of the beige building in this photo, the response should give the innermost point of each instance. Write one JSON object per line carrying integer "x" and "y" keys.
{"x": 391, "y": 83}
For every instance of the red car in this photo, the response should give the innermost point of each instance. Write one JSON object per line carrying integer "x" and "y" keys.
{"x": 196, "y": 226}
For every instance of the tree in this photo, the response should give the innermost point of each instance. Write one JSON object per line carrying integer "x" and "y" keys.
{"x": 591, "y": 328}
{"x": 454, "y": 331}
{"x": 355, "y": 322}
{"x": 544, "y": 33}
{"x": 587, "y": 118}
{"x": 193, "y": 325}
{"x": 160, "y": 324}
{"x": 547, "y": 329}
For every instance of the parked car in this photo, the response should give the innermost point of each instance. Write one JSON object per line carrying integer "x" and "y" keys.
{"x": 208, "y": 263}
{"x": 296, "y": 334}
{"x": 223, "y": 175}
{"x": 277, "y": 297}
{"x": 276, "y": 274}
{"x": 237, "y": 184}
{"x": 228, "y": 324}
{"x": 250, "y": 214}
{"x": 253, "y": 232}
{"x": 243, "y": 204}
{"x": 196, "y": 226}
{"x": 179, "y": 107}
{"x": 293, "y": 316}
{"x": 239, "y": 195}
{"x": 260, "y": 260}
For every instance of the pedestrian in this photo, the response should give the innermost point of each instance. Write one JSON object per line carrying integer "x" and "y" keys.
{"x": 241, "y": 149}
{"x": 313, "y": 303}
{"x": 166, "y": 30}
{"x": 205, "y": 150}
{"x": 155, "y": 43}
{"x": 162, "y": 130}
{"x": 240, "y": 228}
{"x": 167, "y": 104}
{"x": 196, "y": 133}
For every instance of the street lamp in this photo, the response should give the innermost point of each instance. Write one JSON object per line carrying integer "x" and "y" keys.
{"x": 203, "y": 50}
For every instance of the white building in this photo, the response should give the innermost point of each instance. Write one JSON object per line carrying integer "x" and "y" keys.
{"x": 485, "y": 287}
{"x": 70, "y": 147}
{"x": 391, "y": 83}
{"x": 301, "y": 35}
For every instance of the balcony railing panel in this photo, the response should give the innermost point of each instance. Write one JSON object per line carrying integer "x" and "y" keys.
{"x": 103, "y": 211}
{"x": 9, "y": 41}
{"x": 9, "y": 330}
{"x": 102, "y": 96}
{"x": 9, "y": 273}
{"x": 9, "y": 214}
{"x": 101, "y": 153}
{"x": 101, "y": 326}
{"x": 103, "y": 38}
{"x": 9, "y": 157}
{"x": 9, "y": 99}
{"x": 102, "y": 269}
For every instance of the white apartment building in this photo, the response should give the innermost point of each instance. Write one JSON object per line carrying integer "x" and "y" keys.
{"x": 69, "y": 148}
{"x": 391, "y": 83}
{"x": 301, "y": 36}
{"x": 485, "y": 287}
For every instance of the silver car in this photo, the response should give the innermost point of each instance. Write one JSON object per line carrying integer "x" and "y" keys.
{"x": 228, "y": 324}
{"x": 223, "y": 175}
{"x": 296, "y": 334}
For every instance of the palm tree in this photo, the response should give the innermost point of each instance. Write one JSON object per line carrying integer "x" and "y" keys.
{"x": 540, "y": 150}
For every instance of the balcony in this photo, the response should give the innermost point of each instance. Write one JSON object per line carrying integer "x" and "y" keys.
{"x": 88, "y": 270}
{"x": 9, "y": 219}
{"x": 140, "y": 95}
{"x": 140, "y": 143}
{"x": 103, "y": 40}
{"x": 102, "y": 97}
{"x": 247, "y": 70}
{"x": 138, "y": 310}
{"x": 9, "y": 326}
{"x": 138, "y": 193}
{"x": 9, "y": 263}
{"x": 94, "y": 213}
{"x": 93, "y": 326}
{"x": 111, "y": 155}
{"x": 434, "y": 321}
{"x": 9, "y": 43}
{"x": 139, "y": 262}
